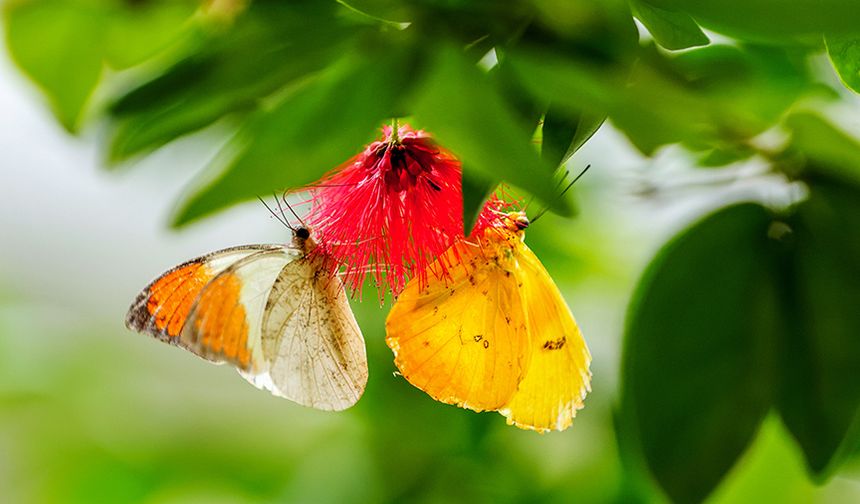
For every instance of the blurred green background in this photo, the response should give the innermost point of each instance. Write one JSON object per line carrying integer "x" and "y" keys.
{"x": 741, "y": 341}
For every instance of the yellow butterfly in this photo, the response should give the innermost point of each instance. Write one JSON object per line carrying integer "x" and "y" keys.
{"x": 274, "y": 312}
{"x": 497, "y": 336}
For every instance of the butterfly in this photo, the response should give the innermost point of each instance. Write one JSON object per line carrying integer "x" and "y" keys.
{"x": 274, "y": 312}
{"x": 496, "y": 336}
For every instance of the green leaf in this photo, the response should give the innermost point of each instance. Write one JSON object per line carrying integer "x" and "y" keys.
{"x": 746, "y": 89}
{"x": 389, "y": 11}
{"x": 270, "y": 45}
{"x": 844, "y": 52}
{"x": 830, "y": 150}
{"x": 314, "y": 129}
{"x": 770, "y": 20}
{"x": 697, "y": 362}
{"x": 820, "y": 395}
{"x": 723, "y": 156}
{"x": 138, "y": 32}
{"x": 59, "y": 46}
{"x": 467, "y": 114}
{"x": 524, "y": 105}
{"x": 704, "y": 98}
{"x": 671, "y": 29}
{"x": 149, "y": 130}
{"x": 563, "y": 134}
{"x": 636, "y": 486}
{"x": 649, "y": 108}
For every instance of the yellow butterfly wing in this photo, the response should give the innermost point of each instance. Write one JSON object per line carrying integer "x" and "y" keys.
{"x": 558, "y": 377}
{"x": 463, "y": 340}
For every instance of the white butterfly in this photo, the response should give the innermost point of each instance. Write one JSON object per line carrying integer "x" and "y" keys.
{"x": 275, "y": 312}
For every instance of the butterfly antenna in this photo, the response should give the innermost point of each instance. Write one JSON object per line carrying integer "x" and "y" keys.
{"x": 281, "y": 209}
{"x": 275, "y": 215}
{"x": 290, "y": 208}
{"x": 546, "y": 208}
{"x": 561, "y": 180}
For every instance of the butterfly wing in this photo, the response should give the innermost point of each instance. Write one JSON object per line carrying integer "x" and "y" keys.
{"x": 463, "y": 341}
{"x": 270, "y": 311}
{"x": 558, "y": 376}
{"x": 162, "y": 307}
{"x": 224, "y": 323}
{"x": 312, "y": 344}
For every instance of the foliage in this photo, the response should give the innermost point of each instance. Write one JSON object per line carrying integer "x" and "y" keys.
{"x": 719, "y": 346}
{"x": 750, "y": 309}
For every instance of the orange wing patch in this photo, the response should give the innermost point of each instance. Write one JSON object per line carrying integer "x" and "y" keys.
{"x": 172, "y": 296}
{"x": 200, "y": 305}
{"x": 220, "y": 326}
{"x": 162, "y": 308}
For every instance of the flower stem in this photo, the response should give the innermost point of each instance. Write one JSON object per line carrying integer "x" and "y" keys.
{"x": 395, "y": 137}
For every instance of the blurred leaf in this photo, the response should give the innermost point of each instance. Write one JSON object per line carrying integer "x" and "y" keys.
{"x": 154, "y": 128}
{"x": 269, "y": 46}
{"x": 652, "y": 111}
{"x": 636, "y": 486}
{"x": 59, "y": 45}
{"x": 739, "y": 92}
{"x": 564, "y": 134}
{"x": 831, "y": 150}
{"x": 706, "y": 98}
{"x": 142, "y": 29}
{"x": 747, "y": 88}
{"x": 723, "y": 156}
{"x": 315, "y": 128}
{"x": 772, "y": 471}
{"x": 671, "y": 29}
{"x": 466, "y": 113}
{"x": 844, "y": 52}
{"x": 526, "y": 108}
{"x": 697, "y": 361}
{"x": 597, "y": 31}
{"x": 770, "y": 20}
{"x": 385, "y": 10}
{"x": 820, "y": 394}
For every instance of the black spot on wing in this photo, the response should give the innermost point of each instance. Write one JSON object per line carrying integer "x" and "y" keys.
{"x": 555, "y": 344}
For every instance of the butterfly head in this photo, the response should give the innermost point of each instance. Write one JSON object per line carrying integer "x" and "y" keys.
{"x": 515, "y": 221}
{"x": 302, "y": 233}
{"x": 302, "y": 238}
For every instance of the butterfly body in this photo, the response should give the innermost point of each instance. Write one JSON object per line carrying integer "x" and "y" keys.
{"x": 496, "y": 336}
{"x": 274, "y": 312}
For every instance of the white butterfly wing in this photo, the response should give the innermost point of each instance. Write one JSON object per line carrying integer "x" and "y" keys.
{"x": 311, "y": 341}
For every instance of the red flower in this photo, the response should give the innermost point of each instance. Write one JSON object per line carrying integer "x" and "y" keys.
{"x": 493, "y": 211}
{"x": 389, "y": 211}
